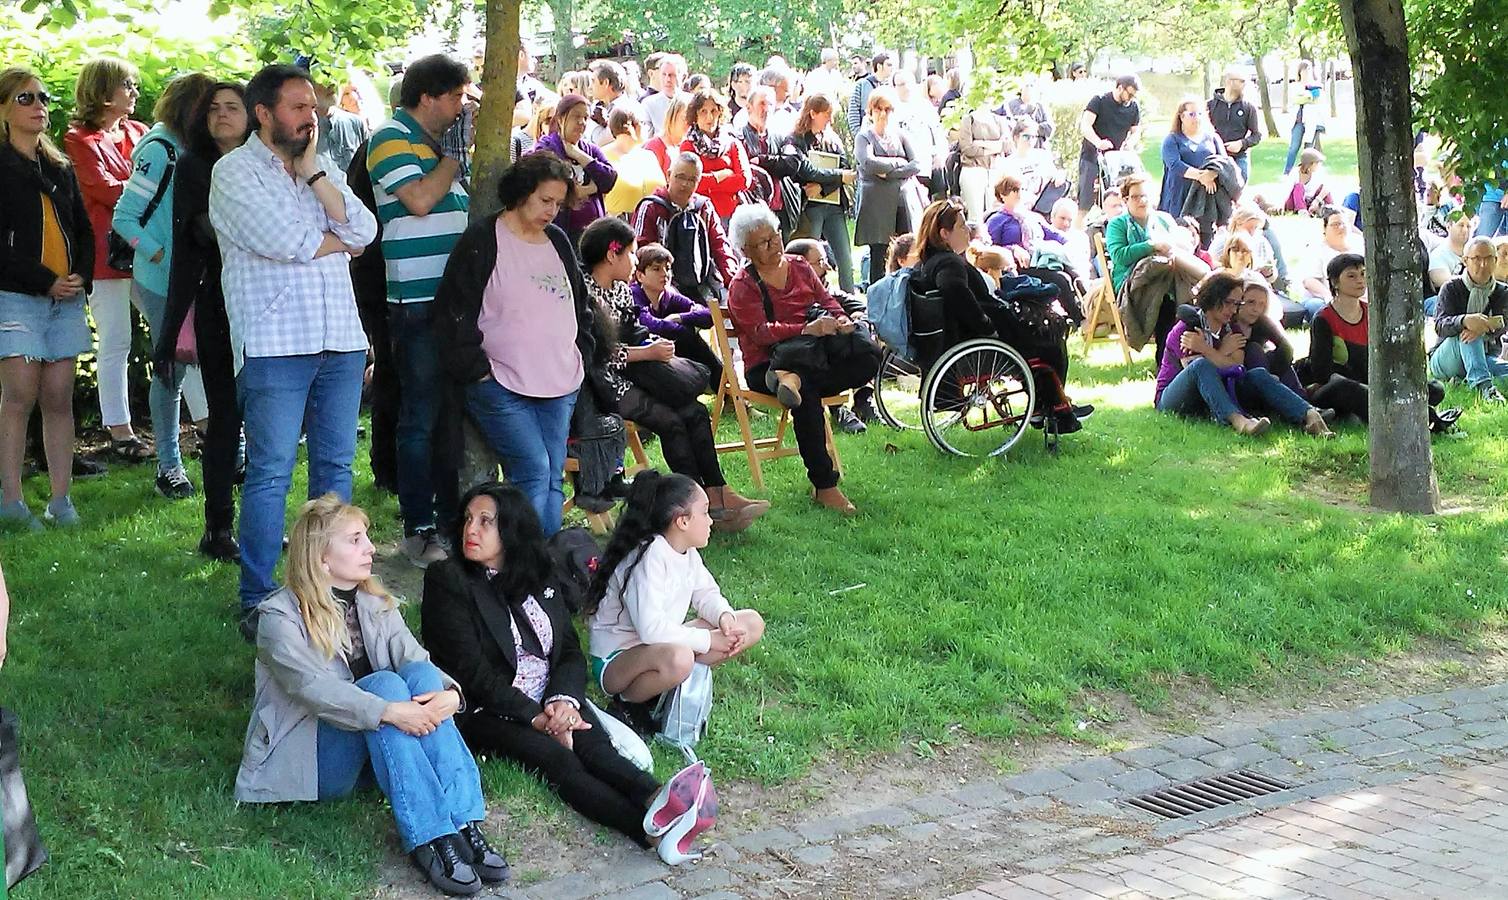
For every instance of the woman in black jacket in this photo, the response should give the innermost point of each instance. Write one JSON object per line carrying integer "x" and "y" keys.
{"x": 823, "y": 220}
{"x": 495, "y": 616}
{"x": 46, "y": 268}
{"x": 220, "y": 125}
{"x": 970, "y": 309}
{"x": 513, "y": 314}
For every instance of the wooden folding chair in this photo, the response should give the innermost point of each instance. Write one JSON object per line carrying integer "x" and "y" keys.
{"x": 1103, "y": 310}
{"x": 732, "y": 392}
{"x": 602, "y": 523}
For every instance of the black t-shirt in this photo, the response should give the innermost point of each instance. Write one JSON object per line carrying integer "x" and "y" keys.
{"x": 1112, "y": 121}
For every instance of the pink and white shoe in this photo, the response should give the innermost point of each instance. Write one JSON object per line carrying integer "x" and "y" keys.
{"x": 674, "y": 799}
{"x": 675, "y": 845}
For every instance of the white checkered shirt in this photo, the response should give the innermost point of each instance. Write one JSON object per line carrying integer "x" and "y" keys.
{"x": 281, "y": 301}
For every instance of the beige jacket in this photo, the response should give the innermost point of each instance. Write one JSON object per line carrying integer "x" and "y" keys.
{"x": 296, "y": 688}
{"x": 981, "y": 138}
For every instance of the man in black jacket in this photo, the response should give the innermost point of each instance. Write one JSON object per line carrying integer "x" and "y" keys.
{"x": 1235, "y": 120}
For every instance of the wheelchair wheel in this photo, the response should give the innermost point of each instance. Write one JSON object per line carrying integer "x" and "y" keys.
{"x": 978, "y": 399}
{"x": 898, "y": 393}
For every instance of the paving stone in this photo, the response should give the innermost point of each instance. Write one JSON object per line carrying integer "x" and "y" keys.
{"x": 1043, "y": 863}
{"x": 566, "y": 887}
{"x": 1277, "y": 768}
{"x": 700, "y": 879}
{"x": 659, "y": 890}
{"x": 1111, "y": 844}
{"x": 1436, "y": 737}
{"x": 1483, "y": 729}
{"x": 878, "y": 843}
{"x": 1475, "y": 712}
{"x": 1237, "y": 757}
{"x": 1388, "y": 709}
{"x": 1431, "y": 719}
{"x": 831, "y": 826}
{"x": 1041, "y": 781}
{"x": 1026, "y": 804}
{"x": 1344, "y": 737}
{"x": 819, "y": 855}
{"x": 1185, "y": 769}
{"x": 1314, "y": 762}
{"x": 921, "y": 831}
{"x": 720, "y": 895}
{"x": 1489, "y": 742}
{"x": 1139, "y": 781}
{"x": 1393, "y": 728}
{"x": 982, "y": 795}
{"x": 1191, "y": 746}
{"x": 1296, "y": 745}
{"x": 1141, "y": 757}
{"x": 1085, "y": 792}
{"x": 1430, "y": 701}
{"x": 1301, "y": 725}
{"x": 1236, "y": 735}
{"x": 935, "y": 805}
{"x": 724, "y": 852}
{"x": 1469, "y": 695}
{"x": 1098, "y": 768}
{"x": 1382, "y": 748}
{"x": 1345, "y": 718}
{"x": 768, "y": 839}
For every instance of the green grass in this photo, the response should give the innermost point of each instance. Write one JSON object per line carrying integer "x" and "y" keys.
{"x": 1267, "y": 160}
{"x": 996, "y": 595}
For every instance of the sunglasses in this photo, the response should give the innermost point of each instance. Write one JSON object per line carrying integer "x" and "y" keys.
{"x": 27, "y": 98}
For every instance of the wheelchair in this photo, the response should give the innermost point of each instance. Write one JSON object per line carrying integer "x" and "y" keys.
{"x": 975, "y": 399}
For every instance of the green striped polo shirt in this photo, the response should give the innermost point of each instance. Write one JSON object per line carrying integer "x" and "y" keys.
{"x": 415, "y": 247}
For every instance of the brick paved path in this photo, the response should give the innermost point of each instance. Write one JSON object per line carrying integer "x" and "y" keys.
{"x": 1440, "y": 836}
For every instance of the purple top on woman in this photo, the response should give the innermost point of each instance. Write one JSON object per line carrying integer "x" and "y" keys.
{"x": 599, "y": 172}
{"x": 1173, "y": 356}
{"x": 1008, "y": 229}
{"x": 693, "y": 314}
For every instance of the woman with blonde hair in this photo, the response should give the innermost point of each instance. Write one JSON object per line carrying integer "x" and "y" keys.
{"x": 666, "y": 143}
{"x": 343, "y": 688}
{"x": 100, "y": 142}
{"x": 46, "y": 266}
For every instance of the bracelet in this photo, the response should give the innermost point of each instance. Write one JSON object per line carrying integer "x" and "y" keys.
{"x": 315, "y": 177}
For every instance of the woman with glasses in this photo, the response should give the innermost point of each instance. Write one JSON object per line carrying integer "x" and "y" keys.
{"x": 100, "y": 142}
{"x": 725, "y": 166}
{"x": 887, "y": 175}
{"x": 46, "y": 266}
{"x": 1189, "y": 144}
{"x": 1203, "y": 372}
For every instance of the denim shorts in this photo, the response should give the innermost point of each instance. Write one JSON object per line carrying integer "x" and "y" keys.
{"x": 41, "y": 329}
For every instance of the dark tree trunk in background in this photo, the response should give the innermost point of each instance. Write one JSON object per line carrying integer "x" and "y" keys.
{"x": 563, "y": 39}
{"x": 1402, "y": 467}
{"x": 494, "y": 124}
{"x": 1264, "y": 92}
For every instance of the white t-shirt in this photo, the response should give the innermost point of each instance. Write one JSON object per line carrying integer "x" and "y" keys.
{"x": 651, "y": 608}
{"x": 1319, "y": 262}
{"x": 1443, "y": 257}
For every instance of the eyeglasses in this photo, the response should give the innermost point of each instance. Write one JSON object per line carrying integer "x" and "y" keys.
{"x": 132, "y": 85}
{"x": 27, "y": 98}
{"x": 1492, "y": 258}
{"x": 767, "y": 242}
{"x": 1191, "y": 114}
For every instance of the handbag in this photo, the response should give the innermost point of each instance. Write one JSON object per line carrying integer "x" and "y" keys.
{"x": 24, "y": 853}
{"x": 855, "y": 351}
{"x": 683, "y": 712}
{"x": 674, "y": 383}
{"x": 628, "y": 744}
{"x": 186, "y": 350}
{"x": 119, "y": 254}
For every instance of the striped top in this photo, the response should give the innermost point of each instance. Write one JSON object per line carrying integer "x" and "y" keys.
{"x": 415, "y": 247}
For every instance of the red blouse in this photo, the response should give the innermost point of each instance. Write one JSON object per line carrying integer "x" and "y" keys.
{"x": 102, "y": 166}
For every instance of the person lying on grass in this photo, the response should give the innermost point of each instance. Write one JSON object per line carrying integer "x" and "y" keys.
{"x": 1203, "y": 371}
{"x": 649, "y": 578}
{"x": 496, "y": 615}
{"x": 344, "y": 694}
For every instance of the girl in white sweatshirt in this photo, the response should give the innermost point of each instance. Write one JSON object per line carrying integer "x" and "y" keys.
{"x": 649, "y": 578}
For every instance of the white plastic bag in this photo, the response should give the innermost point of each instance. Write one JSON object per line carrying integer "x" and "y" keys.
{"x": 629, "y": 745}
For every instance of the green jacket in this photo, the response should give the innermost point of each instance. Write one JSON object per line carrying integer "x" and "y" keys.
{"x": 1128, "y": 242}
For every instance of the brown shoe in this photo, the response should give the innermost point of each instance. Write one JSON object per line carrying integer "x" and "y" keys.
{"x": 833, "y": 498}
{"x": 787, "y": 387}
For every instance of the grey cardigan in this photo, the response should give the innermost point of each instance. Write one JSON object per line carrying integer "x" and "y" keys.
{"x": 296, "y": 688}
{"x": 886, "y": 165}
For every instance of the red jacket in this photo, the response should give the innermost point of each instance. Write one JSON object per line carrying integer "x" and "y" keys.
{"x": 757, "y": 334}
{"x": 724, "y": 194}
{"x": 102, "y": 167}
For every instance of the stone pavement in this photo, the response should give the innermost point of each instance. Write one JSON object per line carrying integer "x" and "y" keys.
{"x": 1433, "y": 836}
{"x": 1067, "y": 822}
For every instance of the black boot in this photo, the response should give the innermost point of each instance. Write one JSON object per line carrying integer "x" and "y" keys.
{"x": 487, "y": 863}
{"x": 441, "y": 862}
{"x": 220, "y": 544}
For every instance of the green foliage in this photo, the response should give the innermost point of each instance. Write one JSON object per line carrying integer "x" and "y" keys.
{"x": 715, "y": 34}
{"x": 1457, "y": 48}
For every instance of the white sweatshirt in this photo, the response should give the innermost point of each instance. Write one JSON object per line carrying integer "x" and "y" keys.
{"x": 652, "y": 608}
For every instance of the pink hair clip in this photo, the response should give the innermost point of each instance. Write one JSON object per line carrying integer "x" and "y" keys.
{"x": 615, "y": 247}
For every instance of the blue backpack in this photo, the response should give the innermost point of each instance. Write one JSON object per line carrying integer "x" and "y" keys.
{"x": 890, "y": 313}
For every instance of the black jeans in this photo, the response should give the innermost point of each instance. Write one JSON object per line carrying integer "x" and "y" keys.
{"x": 1348, "y": 396}
{"x": 685, "y": 434}
{"x": 806, "y": 419}
{"x": 592, "y": 779}
{"x": 219, "y": 457}
{"x": 426, "y": 487}
{"x": 1053, "y": 355}
{"x": 385, "y": 395}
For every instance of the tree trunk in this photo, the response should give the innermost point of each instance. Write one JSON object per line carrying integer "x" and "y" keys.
{"x": 494, "y": 121}
{"x": 1402, "y": 472}
{"x": 1264, "y": 92}
{"x": 1331, "y": 79}
{"x": 1287, "y": 80}
{"x": 563, "y": 40}
{"x": 1204, "y": 74}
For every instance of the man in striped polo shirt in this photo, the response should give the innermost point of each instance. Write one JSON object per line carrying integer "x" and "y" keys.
{"x": 422, "y": 204}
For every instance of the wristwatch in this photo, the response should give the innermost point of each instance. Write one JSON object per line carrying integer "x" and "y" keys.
{"x": 315, "y": 177}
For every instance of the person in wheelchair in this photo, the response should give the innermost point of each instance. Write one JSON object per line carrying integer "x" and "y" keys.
{"x": 970, "y": 309}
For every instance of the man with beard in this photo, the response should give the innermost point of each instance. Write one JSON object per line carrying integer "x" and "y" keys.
{"x": 1235, "y": 120}
{"x": 288, "y": 226}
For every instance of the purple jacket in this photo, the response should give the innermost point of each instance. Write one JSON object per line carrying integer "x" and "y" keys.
{"x": 599, "y": 172}
{"x": 693, "y": 314}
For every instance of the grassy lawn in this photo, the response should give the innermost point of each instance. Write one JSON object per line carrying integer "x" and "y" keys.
{"x": 1267, "y": 160}
{"x": 994, "y": 594}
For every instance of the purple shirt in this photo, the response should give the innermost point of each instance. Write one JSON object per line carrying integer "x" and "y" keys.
{"x": 1173, "y": 356}
{"x": 599, "y": 172}
{"x": 693, "y": 314}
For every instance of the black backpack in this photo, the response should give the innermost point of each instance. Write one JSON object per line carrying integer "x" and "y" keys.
{"x": 575, "y": 554}
{"x": 689, "y": 243}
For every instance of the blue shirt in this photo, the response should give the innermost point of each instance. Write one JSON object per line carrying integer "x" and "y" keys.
{"x": 1179, "y": 154}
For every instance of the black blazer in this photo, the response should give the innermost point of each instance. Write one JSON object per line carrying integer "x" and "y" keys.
{"x": 468, "y": 631}
{"x": 194, "y": 278}
{"x": 22, "y": 184}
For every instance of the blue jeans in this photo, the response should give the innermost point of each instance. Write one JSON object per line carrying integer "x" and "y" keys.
{"x": 1491, "y": 220}
{"x": 282, "y": 397}
{"x": 1260, "y": 390}
{"x": 163, "y": 397}
{"x": 420, "y": 493}
{"x": 529, "y": 434}
{"x": 1454, "y": 358}
{"x": 1279, "y": 261}
{"x": 1295, "y": 144}
{"x": 431, "y": 781}
{"x": 828, "y": 222}
{"x": 1312, "y": 306}
{"x": 1199, "y": 390}
{"x": 1243, "y": 162}
{"x": 1431, "y": 304}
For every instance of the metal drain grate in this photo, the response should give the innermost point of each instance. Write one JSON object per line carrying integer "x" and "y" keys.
{"x": 1207, "y": 793}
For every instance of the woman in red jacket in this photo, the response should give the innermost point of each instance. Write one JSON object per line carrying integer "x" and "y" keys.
{"x": 725, "y": 168}
{"x": 100, "y": 143}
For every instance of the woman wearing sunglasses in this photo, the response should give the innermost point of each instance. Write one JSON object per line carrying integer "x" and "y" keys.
{"x": 46, "y": 267}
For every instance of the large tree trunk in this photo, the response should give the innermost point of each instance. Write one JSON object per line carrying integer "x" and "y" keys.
{"x": 1264, "y": 92}
{"x": 1402, "y": 467}
{"x": 563, "y": 39}
{"x": 494, "y": 122}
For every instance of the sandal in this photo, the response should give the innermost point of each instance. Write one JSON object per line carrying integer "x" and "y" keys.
{"x": 131, "y": 449}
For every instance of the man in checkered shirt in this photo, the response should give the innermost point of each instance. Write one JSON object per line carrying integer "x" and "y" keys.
{"x": 288, "y": 226}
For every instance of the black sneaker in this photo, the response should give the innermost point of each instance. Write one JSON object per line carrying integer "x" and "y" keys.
{"x": 1443, "y": 420}
{"x": 1491, "y": 394}
{"x": 220, "y": 544}
{"x": 248, "y": 626}
{"x": 87, "y": 468}
{"x": 847, "y": 422}
{"x": 174, "y": 484}
{"x": 440, "y": 861}
{"x": 638, "y": 716}
{"x": 863, "y": 410}
{"x": 1083, "y": 410}
{"x": 1066, "y": 422}
{"x": 487, "y": 863}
